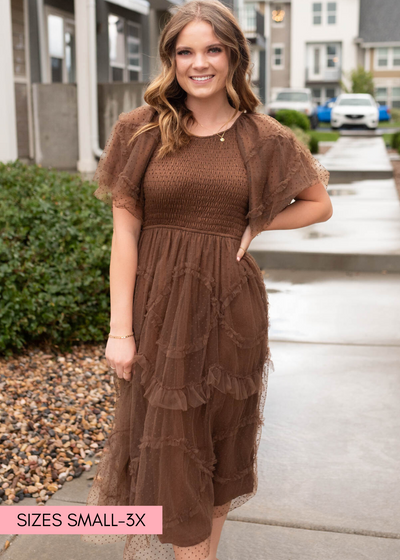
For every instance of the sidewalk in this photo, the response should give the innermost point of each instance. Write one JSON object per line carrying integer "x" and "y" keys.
{"x": 364, "y": 231}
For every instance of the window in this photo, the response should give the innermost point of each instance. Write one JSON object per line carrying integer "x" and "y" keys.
{"x": 331, "y": 13}
{"x": 292, "y": 96}
{"x": 355, "y": 102}
{"x": 331, "y": 56}
{"x": 60, "y": 46}
{"x": 396, "y": 97}
{"x": 125, "y": 50}
{"x": 317, "y": 13}
{"x": 317, "y": 95}
{"x": 396, "y": 56}
{"x": 317, "y": 61}
{"x": 381, "y": 95}
{"x": 134, "y": 62}
{"x": 382, "y": 57}
{"x": 250, "y": 18}
{"x": 277, "y": 57}
{"x": 387, "y": 58}
{"x": 321, "y": 95}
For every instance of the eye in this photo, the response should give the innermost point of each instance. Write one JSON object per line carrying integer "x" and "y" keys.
{"x": 216, "y": 49}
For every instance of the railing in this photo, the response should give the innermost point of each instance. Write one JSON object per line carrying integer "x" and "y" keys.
{"x": 326, "y": 75}
{"x": 251, "y": 20}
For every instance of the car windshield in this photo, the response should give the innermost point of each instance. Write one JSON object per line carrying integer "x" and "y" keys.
{"x": 356, "y": 101}
{"x": 292, "y": 96}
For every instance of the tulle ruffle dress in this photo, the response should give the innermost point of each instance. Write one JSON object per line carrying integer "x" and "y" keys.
{"x": 188, "y": 424}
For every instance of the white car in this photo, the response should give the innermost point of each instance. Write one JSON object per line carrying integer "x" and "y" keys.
{"x": 297, "y": 100}
{"x": 357, "y": 109}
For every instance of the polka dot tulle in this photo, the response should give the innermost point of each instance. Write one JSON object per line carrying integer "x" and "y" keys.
{"x": 188, "y": 424}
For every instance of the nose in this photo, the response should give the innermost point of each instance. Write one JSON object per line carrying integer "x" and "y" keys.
{"x": 200, "y": 61}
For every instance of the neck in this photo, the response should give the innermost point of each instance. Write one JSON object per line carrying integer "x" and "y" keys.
{"x": 210, "y": 112}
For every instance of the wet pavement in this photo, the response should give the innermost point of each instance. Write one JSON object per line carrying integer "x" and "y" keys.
{"x": 330, "y": 448}
{"x": 367, "y": 155}
{"x": 363, "y": 233}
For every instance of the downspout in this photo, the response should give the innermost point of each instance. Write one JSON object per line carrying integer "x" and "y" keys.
{"x": 42, "y": 42}
{"x": 94, "y": 123}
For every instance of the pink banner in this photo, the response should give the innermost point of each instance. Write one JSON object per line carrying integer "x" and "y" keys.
{"x": 80, "y": 520}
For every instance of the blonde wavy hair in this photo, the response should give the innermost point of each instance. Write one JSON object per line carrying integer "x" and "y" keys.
{"x": 166, "y": 95}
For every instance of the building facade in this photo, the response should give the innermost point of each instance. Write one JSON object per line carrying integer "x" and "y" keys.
{"x": 323, "y": 45}
{"x": 70, "y": 67}
{"x": 379, "y": 48}
{"x": 279, "y": 46}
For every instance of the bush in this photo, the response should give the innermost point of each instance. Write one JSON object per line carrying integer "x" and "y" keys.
{"x": 396, "y": 140}
{"x": 301, "y": 135}
{"x": 291, "y": 118}
{"x": 395, "y": 115}
{"x": 314, "y": 145}
{"x": 54, "y": 259}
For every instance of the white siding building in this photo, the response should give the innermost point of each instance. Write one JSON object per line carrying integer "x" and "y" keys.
{"x": 323, "y": 48}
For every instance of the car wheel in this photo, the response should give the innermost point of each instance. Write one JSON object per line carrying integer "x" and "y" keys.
{"x": 314, "y": 122}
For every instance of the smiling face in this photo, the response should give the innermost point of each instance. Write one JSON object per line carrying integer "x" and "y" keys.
{"x": 199, "y": 54}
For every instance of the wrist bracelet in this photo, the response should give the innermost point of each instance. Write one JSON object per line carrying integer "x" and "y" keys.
{"x": 126, "y": 336}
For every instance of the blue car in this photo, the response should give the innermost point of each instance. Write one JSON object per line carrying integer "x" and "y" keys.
{"x": 324, "y": 111}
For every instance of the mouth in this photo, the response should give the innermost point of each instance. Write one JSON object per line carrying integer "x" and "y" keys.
{"x": 202, "y": 79}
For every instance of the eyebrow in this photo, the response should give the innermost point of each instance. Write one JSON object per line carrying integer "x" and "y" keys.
{"x": 207, "y": 47}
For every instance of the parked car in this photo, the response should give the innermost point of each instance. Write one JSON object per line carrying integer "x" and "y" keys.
{"x": 384, "y": 113}
{"x": 297, "y": 100}
{"x": 355, "y": 109}
{"x": 324, "y": 111}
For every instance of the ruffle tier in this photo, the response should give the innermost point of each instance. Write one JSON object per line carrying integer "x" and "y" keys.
{"x": 201, "y": 323}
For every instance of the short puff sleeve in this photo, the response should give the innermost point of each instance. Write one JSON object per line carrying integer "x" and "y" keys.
{"x": 280, "y": 168}
{"x": 115, "y": 184}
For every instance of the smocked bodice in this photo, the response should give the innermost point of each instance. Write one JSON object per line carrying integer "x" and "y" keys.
{"x": 203, "y": 186}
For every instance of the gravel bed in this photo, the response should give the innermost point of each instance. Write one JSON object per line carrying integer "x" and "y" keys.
{"x": 56, "y": 411}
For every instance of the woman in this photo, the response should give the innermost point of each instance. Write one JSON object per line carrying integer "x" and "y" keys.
{"x": 193, "y": 176}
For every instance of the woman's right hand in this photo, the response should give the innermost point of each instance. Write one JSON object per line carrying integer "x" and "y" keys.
{"x": 119, "y": 356}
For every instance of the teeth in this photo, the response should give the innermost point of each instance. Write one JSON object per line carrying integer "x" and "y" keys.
{"x": 201, "y": 79}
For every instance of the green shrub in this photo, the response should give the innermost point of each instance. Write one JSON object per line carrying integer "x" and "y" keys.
{"x": 395, "y": 115}
{"x": 314, "y": 145}
{"x": 396, "y": 140}
{"x": 54, "y": 259}
{"x": 291, "y": 118}
{"x": 301, "y": 135}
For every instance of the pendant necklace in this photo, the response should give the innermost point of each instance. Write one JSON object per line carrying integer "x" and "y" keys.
{"x": 221, "y": 136}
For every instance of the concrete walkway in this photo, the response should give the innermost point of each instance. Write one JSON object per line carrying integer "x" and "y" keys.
{"x": 330, "y": 449}
{"x": 361, "y": 157}
{"x": 364, "y": 231}
{"x": 329, "y": 454}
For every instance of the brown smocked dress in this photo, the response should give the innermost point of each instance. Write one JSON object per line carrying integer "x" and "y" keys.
{"x": 187, "y": 426}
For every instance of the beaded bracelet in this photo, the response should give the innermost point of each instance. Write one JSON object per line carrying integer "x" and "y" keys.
{"x": 126, "y": 336}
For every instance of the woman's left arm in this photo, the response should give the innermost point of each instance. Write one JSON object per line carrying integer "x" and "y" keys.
{"x": 311, "y": 206}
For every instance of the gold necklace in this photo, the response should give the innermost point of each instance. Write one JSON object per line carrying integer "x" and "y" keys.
{"x": 221, "y": 137}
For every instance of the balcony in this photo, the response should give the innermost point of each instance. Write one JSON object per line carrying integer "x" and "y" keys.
{"x": 326, "y": 75}
{"x": 252, "y": 23}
